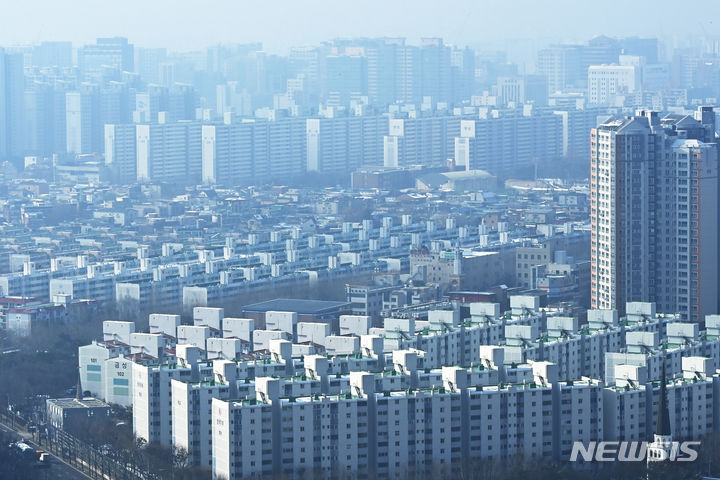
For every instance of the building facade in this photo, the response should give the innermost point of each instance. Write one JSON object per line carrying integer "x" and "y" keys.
{"x": 654, "y": 212}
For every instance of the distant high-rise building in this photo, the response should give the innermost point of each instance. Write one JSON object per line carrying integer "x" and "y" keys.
{"x": 40, "y": 119}
{"x": 463, "y": 74}
{"x": 562, "y": 65}
{"x": 83, "y": 124}
{"x": 407, "y": 71}
{"x": 59, "y": 132}
{"x": 598, "y": 51}
{"x": 685, "y": 63}
{"x": 181, "y": 102}
{"x": 115, "y": 103}
{"x": 177, "y": 103}
{"x": 387, "y": 71}
{"x": 576, "y": 124}
{"x": 343, "y": 144}
{"x": 507, "y": 142}
{"x": 12, "y": 88}
{"x": 107, "y": 54}
{"x": 346, "y": 77}
{"x": 309, "y": 61}
{"x": 53, "y": 54}
{"x": 169, "y": 152}
{"x": 644, "y": 47}
{"x": 523, "y": 89}
{"x": 606, "y": 81}
{"x": 419, "y": 141}
{"x": 148, "y": 62}
{"x": 222, "y": 58}
{"x": 435, "y": 70}
{"x": 148, "y": 104}
{"x": 167, "y": 74}
{"x": 232, "y": 98}
{"x": 245, "y": 153}
{"x": 121, "y": 152}
{"x": 536, "y": 89}
{"x": 654, "y": 212}
{"x": 381, "y": 73}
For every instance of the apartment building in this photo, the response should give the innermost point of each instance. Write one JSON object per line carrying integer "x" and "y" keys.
{"x": 653, "y": 194}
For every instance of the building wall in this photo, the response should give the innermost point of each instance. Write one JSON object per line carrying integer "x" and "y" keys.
{"x": 647, "y": 201}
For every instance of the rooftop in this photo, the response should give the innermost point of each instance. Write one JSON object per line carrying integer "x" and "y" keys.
{"x": 301, "y": 306}
{"x": 87, "y": 402}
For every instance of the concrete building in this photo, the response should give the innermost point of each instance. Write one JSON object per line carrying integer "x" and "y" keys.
{"x": 458, "y": 269}
{"x": 252, "y": 151}
{"x": 503, "y": 142}
{"x": 83, "y": 120}
{"x": 168, "y": 152}
{"x": 53, "y": 54}
{"x": 367, "y": 299}
{"x": 562, "y": 65}
{"x": 191, "y": 418}
{"x": 344, "y": 143}
{"x": 319, "y": 311}
{"x": 151, "y": 384}
{"x": 535, "y": 395}
{"x": 11, "y": 104}
{"x": 523, "y": 89}
{"x": 607, "y": 81}
{"x": 528, "y": 257}
{"x": 69, "y": 414}
{"x": 653, "y": 201}
{"x": 113, "y": 54}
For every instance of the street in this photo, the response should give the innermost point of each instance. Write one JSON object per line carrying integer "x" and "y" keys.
{"x": 58, "y": 470}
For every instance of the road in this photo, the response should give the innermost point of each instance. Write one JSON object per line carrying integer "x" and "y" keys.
{"x": 59, "y": 470}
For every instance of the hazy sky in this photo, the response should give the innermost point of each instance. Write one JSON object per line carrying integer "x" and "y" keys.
{"x": 186, "y": 25}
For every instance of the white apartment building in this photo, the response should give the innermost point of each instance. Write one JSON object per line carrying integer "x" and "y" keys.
{"x": 272, "y": 412}
{"x": 405, "y": 431}
{"x": 191, "y": 412}
{"x": 92, "y": 364}
{"x": 430, "y": 392}
{"x": 607, "y": 81}
{"x": 151, "y": 392}
{"x": 168, "y": 152}
{"x": 631, "y": 405}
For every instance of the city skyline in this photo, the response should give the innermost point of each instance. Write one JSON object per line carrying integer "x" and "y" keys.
{"x": 334, "y": 240}
{"x": 462, "y": 23}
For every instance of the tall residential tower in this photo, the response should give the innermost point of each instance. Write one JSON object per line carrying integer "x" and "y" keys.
{"x": 654, "y": 212}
